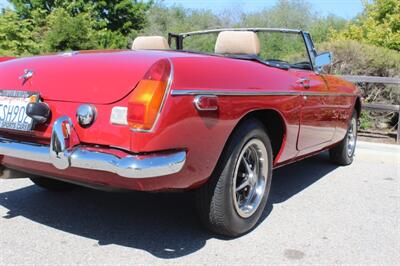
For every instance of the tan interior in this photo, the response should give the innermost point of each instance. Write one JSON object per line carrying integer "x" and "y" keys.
{"x": 237, "y": 42}
{"x": 150, "y": 43}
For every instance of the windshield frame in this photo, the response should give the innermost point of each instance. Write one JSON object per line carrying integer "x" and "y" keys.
{"x": 178, "y": 38}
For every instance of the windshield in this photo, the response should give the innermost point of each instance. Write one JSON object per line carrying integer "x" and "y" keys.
{"x": 288, "y": 48}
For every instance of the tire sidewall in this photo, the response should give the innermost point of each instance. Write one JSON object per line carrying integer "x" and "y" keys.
{"x": 350, "y": 158}
{"x": 250, "y": 130}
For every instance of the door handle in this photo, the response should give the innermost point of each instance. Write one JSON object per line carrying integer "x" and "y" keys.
{"x": 305, "y": 82}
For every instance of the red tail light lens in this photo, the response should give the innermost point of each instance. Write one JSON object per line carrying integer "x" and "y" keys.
{"x": 147, "y": 98}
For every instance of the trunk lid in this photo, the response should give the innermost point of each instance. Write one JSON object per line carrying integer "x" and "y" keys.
{"x": 99, "y": 77}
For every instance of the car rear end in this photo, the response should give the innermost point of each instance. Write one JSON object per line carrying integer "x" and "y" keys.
{"x": 74, "y": 117}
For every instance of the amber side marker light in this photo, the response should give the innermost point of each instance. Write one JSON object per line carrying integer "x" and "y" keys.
{"x": 147, "y": 98}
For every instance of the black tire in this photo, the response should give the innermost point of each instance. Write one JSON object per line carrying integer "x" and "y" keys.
{"x": 216, "y": 201}
{"x": 51, "y": 184}
{"x": 340, "y": 154}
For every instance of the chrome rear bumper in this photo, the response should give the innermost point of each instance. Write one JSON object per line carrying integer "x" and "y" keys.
{"x": 64, "y": 151}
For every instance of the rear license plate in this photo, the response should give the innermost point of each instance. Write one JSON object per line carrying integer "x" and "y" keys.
{"x": 13, "y": 110}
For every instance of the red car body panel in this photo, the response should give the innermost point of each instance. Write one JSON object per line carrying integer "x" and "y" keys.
{"x": 315, "y": 118}
{"x": 5, "y": 58}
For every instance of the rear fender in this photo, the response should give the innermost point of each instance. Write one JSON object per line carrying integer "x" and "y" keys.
{"x": 6, "y": 58}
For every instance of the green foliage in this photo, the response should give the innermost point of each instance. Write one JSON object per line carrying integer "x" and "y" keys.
{"x": 16, "y": 36}
{"x": 285, "y": 14}
{"x": 40, "y": 26}
{"x": 287, "y": 47}
{"x": 162, "y": 20}
{"x": 123, "y": 16}
{"x": 379, "y": 25}
{"x": 68, "y": 32}
{"x": 107, "y": 39}
{"x": 295, "y": 14}
{"x": 354, "y": 58}
{"x": 366, "y": 121}
{"x": 322, "y": 29}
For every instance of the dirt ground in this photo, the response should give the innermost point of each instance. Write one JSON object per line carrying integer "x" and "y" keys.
{"x": 377, "y": 137}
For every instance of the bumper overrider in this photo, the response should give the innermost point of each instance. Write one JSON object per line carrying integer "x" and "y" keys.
{"x": 65, "y": 151}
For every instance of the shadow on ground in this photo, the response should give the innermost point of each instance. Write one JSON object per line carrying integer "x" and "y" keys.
{"x": 163, "y": 224}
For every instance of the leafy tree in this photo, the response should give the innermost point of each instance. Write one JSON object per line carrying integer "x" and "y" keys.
{"x": 68, "y": 32}
{"x": 378, "y": 25}
{"x": 16, "y": 36}
{"x": 123, "y": 16}
{"x": 82, "y": 24}
{"x": 162, "y": 19}
{"x": 285, "y": 14}
{"x": 322, "y": 29}
{"x": 355, "y": 58}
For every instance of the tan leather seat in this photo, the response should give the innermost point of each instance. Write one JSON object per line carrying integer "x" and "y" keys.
{"x": 150, "y": 43}
{"x": 237, "y": 42}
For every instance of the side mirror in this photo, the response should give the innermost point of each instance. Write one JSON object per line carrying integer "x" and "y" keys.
{"x": 323, "y": 62}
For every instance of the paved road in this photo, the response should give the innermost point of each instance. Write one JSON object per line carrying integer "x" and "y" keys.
{"x": 318, "y": 213}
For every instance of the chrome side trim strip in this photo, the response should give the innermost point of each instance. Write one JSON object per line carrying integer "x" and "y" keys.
{"x": 254, "y": 93}
{"x": 65, "y": 151}
{"x": 327, "y": 94}
{"x": 228, "y": 93}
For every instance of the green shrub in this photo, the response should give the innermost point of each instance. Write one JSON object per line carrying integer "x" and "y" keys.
{"x": 379, "y": 25}
{"x": 17, "y": 37}
{"x": 354, "y": 58}
{"x": 69, "y": 32}
{"x": 366, "y": 120}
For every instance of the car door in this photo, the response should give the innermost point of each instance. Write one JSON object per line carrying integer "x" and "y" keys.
{"x": 317, "y": 117}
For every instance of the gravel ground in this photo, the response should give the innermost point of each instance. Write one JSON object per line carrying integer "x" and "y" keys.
{"x": 318, "y": 213}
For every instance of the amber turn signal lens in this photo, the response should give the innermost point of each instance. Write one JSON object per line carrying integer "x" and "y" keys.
{"x": 147, "y": 98}
{"x": 145, "y": 104}
{"x": 33, "y": 99}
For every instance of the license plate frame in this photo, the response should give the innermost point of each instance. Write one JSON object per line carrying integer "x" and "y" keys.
{"x": 18, "y": 100}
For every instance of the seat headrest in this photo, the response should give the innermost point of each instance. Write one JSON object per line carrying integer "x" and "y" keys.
{"x": 237, "y": 42}
{"x": 150, "y": 43}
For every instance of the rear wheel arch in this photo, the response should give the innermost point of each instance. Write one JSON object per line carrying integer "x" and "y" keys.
{"x": 357, "y": 106}
{"x": 273, "y": 123}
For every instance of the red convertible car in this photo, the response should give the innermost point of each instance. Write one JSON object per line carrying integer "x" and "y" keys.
{"x": 157, "y": 118}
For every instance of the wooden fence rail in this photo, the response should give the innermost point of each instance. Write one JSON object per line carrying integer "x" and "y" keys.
{"x": 370, "y": 79}
{"x": 377, "y": 106}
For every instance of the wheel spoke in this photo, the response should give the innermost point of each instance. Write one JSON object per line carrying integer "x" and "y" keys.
{"x": 244, "y": 184}
{"x": 247, "y": 165}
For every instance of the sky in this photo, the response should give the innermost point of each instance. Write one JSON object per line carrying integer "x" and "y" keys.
{"x": 344, "y": 8}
